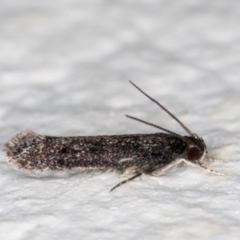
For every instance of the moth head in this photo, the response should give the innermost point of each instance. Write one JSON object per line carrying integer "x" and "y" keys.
{"x": 196, "y": 149}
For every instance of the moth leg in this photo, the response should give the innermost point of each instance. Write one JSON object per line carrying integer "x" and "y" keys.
{"x": 213, "y": 159}
{"x": 166, "y": 168}
{"x": 125, "y": 181}
{"x": 192, "y": 164}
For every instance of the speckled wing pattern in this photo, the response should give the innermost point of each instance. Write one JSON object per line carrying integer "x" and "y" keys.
{"x": 142, "y": 152}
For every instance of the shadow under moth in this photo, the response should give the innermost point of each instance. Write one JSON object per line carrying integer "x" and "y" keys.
{"x": 131, "y": 154}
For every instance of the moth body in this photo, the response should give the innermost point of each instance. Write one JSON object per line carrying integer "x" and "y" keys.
{"x": 136, "y": 154}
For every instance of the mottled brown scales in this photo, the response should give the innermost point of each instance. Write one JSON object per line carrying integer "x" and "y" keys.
{"x": 118, "y": 152}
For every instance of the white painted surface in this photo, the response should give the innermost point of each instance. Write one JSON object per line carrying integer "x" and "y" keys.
{"x": 65, "y": 67}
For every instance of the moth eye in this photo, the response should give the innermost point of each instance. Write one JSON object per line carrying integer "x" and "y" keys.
{"x": 193, "y": 153}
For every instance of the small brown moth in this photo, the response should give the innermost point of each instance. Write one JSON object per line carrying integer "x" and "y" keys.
{"x": 134, "y": 154}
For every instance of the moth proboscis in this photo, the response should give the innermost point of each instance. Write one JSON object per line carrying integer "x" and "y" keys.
{"x": 134, "y": 154}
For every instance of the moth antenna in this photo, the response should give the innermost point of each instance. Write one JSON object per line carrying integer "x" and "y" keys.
{"x": 156, "y": 126}
{"x": 167, "y": 111}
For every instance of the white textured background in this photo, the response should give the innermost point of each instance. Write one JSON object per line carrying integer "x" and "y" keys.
{"x": 65, "y": 67}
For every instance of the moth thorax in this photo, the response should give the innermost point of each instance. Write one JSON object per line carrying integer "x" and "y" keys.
{"x": 193, "y": 153}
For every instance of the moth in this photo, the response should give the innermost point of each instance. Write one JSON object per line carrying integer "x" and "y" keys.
{"x": 132, "y": 154}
